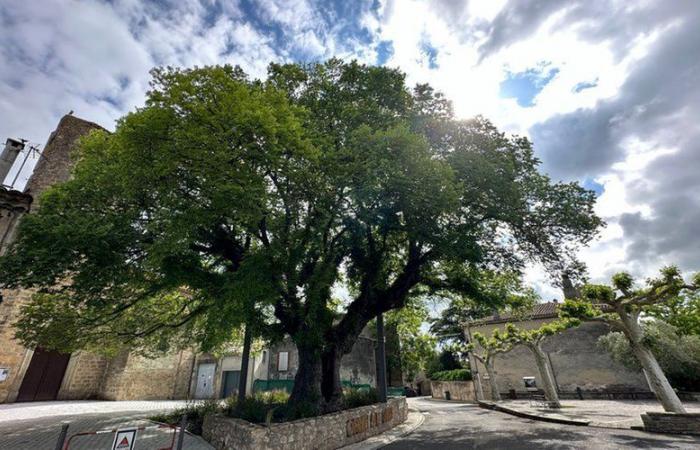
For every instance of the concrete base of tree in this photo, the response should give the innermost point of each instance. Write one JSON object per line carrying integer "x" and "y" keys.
{"x": 658, "y": 422}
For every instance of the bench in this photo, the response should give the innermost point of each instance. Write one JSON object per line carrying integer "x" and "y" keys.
{"x": 538, "y": 400}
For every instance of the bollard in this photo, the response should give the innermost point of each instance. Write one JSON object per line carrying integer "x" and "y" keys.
{"x": 62, "y": 437}
{"x": 579, "y": 393}
{"x": 181, "y": 436}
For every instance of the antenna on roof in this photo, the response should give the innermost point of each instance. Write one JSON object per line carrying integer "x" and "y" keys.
{"x": 33, "y": 149}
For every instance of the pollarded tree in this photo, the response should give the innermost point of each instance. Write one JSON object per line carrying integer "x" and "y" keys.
{"x": 502, "y": 291}
{"x": 224, "y": 194}
{"x": 622, "y": 305}
{"x": 533, "y": 340}
{"x": 486, "y": 354}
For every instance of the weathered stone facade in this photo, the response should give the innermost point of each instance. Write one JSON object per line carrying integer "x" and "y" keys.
{"x": 87, "y": 375}
{"x": 325, "y": 432}
{"x": 357, "y": 367}
{"x": 54, "y": 166}
{"x": 576, "y": 359}
{"x": 458, "y": 390}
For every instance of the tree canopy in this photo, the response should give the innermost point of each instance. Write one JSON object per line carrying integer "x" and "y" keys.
{"x": 623, "y": 305}
{"x": 224, "y": 200}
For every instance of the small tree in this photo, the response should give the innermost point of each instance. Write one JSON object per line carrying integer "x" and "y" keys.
{"x": 490, "y": 348}
{"x": 677, "y": 354}
{"x": 416, "y": 346}
{"x": 623, "y": 305}
{"x": 533, "y": 340}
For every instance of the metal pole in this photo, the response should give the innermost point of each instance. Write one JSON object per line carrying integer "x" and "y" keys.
{"x": 381, "y": 359}
{"x": 245, "y": 357}
{"x": 62, "y": 437}
{"x": 181, "y": 436}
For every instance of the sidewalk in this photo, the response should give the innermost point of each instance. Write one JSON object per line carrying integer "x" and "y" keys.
{"x": 414, "y": 420}
{"x": 621, "y": 414}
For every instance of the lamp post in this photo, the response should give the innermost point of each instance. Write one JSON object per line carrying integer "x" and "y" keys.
{"x": 381, "y": 359}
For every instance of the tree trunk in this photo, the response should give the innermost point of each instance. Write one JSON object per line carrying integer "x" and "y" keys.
{"x": 306, "y": 394}
{"x": 549, "y": 385}
{"x": 491, "y": 371}
{"x": 655, "y": 376}
{"x": 331, "y": 387}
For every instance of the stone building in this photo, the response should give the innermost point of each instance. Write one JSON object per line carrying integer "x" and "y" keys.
{"x": 575, "y": 358}
{"x": 38, "y": 374}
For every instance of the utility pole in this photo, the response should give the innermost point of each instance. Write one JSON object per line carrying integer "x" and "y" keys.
{"x": 381, "y": 359}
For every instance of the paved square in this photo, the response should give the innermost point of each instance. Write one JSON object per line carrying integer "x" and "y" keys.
{"x": 36, "y": 426}
{"x": 601, "y": 413}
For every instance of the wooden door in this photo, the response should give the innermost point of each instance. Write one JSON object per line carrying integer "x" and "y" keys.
{"x": 44, "y": 376}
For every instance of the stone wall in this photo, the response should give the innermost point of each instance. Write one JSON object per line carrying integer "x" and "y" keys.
{"x": 133, "y": 377}
{"x": 83, "y": 377}
{"x": 358, "y": 366}
{"x": 459, "y": 390}
{"x": 576, "y": 360}
{"x": 54, "y": 167}
{"x": 326, "y": 432}
{"x": 659, "y": 422}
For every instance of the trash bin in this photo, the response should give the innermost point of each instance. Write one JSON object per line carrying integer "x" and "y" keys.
{"x": 447, "y": 395}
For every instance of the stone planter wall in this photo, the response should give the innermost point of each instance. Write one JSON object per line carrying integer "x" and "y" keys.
{"x": 459, "y": 390}
{"x": 672, "y": 423}
{"x": 327, "y": 432}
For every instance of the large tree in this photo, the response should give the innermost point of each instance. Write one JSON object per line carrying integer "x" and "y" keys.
{"x": 224, "y": 194}
{"x": 622, "y": 306}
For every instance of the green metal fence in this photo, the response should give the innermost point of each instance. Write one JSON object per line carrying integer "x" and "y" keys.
{"x": 287, "y": 385}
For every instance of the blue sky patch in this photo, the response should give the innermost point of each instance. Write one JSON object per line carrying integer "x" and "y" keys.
{"x": 385, "y": 49}
{"x": 585, "y": 85}
{"x": 594, "y": 186}
{"x": 524, "y": 86}
{"x": 430, "y": 52}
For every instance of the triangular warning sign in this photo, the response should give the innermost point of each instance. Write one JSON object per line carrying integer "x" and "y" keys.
{"x": 124, "y": 443}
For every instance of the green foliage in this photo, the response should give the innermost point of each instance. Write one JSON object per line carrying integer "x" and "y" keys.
{"x": 535, "y": 336}
{"x": 416, "y": 347}
{"x": 578, "y": 309}
{"x": 682, "y": 311}
{"x": 449, "y": 360}
{"x": 226, "y": 201}
{"x": 195, "y": 412}
{"x": 452, "y": 375}
{"x": 354, "y": 398}
{"x": 678, "y": 355}
{"x": 493, "y": 290}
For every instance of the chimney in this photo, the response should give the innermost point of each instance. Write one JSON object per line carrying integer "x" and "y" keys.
{"x": 8, "y": 157}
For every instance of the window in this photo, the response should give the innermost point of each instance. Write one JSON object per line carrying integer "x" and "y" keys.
{"x": 282, "y": 361}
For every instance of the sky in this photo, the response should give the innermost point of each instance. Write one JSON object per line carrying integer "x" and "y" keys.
{"x": 607, "y": 90}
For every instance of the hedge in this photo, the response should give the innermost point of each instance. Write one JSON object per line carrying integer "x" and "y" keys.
{"x": 452, "y": 375}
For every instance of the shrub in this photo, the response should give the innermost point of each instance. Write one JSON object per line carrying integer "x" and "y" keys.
{"x": 195, "y": 413}
{"x": 261, "y": 407}
{"x": 354, "y": 398}
{"x": 452, "y": 375}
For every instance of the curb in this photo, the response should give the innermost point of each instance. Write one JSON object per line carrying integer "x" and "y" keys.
{"x": 414, "y": 420}
{"x": 513, "y": 412}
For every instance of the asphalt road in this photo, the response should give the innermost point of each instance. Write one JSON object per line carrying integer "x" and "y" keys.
{"x": 20, "y": 432}
{"x": 459, "y": 426}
